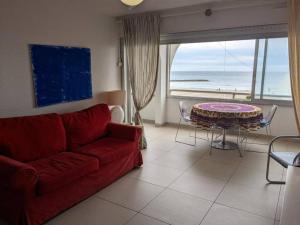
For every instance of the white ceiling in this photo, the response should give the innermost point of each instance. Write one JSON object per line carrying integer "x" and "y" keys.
{"x": 116, "y": 8}
{"x": 167, "y": 4}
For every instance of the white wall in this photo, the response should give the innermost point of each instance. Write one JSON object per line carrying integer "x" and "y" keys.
{"x": 284, "y": 121}
{"x": 56, "y": 22}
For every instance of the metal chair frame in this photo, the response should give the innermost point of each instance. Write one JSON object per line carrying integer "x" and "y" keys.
{"x": 285, "y": 165}
{"x": 267, "y": 126}
{"x": 184, "y": 115}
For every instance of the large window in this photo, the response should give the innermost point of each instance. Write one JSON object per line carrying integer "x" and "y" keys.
{"x": 246, "y": 70}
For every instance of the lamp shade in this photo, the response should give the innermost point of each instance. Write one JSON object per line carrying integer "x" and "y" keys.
{"x": 116, "y": 97}
{"x": 132, "y": 2}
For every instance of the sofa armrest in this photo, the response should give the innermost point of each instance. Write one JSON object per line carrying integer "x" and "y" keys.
{"x": 17, "y": 176}
{"x": 123, "y": 131}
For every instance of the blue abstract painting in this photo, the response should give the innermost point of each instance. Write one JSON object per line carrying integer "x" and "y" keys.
{"x": 60, "y": 74}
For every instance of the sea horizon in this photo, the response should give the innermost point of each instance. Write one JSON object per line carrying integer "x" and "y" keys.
{"x": 238, "y": 81}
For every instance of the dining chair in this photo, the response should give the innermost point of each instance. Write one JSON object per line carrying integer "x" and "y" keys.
{"x": 185, "y": 116}
{"x": 265, "y": 123}
{"x": 267, "y": 120}
{"x": 285, "y": 159}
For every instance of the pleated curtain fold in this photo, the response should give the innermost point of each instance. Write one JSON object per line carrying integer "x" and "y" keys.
{"x": 141, "y": 42}
{"x": 294, "y": 53}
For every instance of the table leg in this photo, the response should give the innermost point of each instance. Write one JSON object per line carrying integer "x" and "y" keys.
{"x": 223, "y": 144}
{"x": 224, "y": 137}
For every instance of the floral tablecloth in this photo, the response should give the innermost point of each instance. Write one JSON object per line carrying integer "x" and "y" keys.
{"x": 226, "y": 115}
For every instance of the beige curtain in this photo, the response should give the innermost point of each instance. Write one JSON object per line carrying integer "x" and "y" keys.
{"x": 294, "y": 51}
{"x": 141, "y": 41}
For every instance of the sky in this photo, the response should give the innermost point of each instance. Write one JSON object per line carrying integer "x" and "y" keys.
{"x": 230, "y": 56}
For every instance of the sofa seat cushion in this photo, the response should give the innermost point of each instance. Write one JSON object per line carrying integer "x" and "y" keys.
{"x": 86, "y": 126}
{"x": 109, "y": 149}
{"x": 61, "y": 169}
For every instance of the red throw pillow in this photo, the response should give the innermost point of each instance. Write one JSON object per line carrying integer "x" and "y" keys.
{"x": 32, "y": 137}
{"x": 86, "y": 126}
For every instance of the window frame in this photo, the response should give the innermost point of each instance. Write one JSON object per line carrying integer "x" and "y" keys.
{"x": 278, "y": 32}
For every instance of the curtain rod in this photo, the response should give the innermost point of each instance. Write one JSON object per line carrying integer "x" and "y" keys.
{"x": 201, "y": 10}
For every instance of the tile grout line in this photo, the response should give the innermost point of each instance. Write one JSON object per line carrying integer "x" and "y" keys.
{"x": 251, "y": 213}
{"x": 214, "y": 202}
{"x": 122, "y": 206}
{"x": 173, "y": 181}
{"x": 167, "y": 187}
{"x": 154, "y": 218}
{"x": 280, "y": 190}
{"x": 164, "y": 188}
{"x": 245, "y": 211}
{"x": 183, "y": 172}
{"x": 125, "y": 207}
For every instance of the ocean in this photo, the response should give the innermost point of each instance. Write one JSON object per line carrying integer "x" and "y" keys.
{"x": 276, "y": 83}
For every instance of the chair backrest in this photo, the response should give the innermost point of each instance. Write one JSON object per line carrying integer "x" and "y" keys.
{"x": 184, "y": 110}
{"x": 269, "y": 117}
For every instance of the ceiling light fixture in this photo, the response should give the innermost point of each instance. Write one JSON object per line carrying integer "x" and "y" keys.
{"x": 132, "y": 3}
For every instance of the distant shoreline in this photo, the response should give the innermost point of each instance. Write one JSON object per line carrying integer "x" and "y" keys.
{"x": 202, "y": 80}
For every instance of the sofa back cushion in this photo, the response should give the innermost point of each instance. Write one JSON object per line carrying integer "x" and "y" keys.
{"x": 32, "y": 137}
{"x": 86, "y": 126}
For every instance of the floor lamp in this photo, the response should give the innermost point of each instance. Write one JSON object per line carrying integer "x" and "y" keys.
{"x": 115, "y": 100}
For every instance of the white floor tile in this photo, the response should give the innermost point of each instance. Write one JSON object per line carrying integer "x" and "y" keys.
{"x": 254, "y": 178}
{"x": 177, "y": 208}
{"x": 174, "y": 160}
{"x": 258, "y": 201}
{"x": 192, "y": 151}
{"x": 258, "y": 162}
{"x": 231, "y": 157}
{"x": 211, "y": 168}
{"x": 280, "y": 203}
{"x": 156, "y": 174}
{"x": 150, "y": 154}
{"x": 140, "y": 219}
{"x": 200, "y": 186}
{"x": 94, "y": 211}
{"x": 161, "y": 144}
{"x": 222, "y": 215}
{"x": 131, "y": 193}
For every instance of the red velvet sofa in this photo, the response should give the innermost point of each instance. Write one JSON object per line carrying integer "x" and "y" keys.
{"x": 48, "y": 163}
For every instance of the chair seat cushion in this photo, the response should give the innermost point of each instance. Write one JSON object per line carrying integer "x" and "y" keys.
{"x": 62, "y": 169}
{"x": 284, "y": 158}
{"x": 263, "y": 122}
{"x": 109, "y": 149}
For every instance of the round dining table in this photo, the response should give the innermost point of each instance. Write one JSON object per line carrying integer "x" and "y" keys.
{"x": 226, "y": 115}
